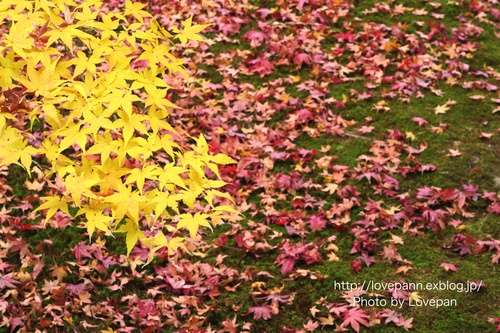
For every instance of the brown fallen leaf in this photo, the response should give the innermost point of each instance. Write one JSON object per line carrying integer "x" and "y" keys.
{"x": 60, "y": 272}
{"x": 326, "y": 321}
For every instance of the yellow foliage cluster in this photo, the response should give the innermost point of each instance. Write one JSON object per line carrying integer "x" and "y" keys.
{"x": 95, "y": 80}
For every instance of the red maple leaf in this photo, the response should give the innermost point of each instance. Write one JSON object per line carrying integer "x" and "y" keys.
{"x": 348, "y": 36}
{"x": 356, "y": 265}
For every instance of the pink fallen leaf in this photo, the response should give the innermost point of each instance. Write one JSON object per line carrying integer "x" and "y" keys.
{"x": 420, "y": 121}
{"x": 311, "y": 326}
{"x": 255, "y": 37}
{"x": 448, "y": 267}
{"x": 495, "y": 259}
{"x": 495, "y": 13}
{"x": 287, "y": 265}
{"x": 420, "y": 12}
{"x": 7, "y": 281}
{"x": 484, "y": 135}
{"x": 262, "y": 311}
{"x": 230, "y": 326}
{"x": 366, "y": 129}
{"x": 302, "y": 58}
{"x": 317, "y": 222}
{"x": 354, "y": 317}
{"x": 406, "y": 324}
{"x": 367, "y": 259}
{"x": 453, "y": 153}
{"x": 390, "y": 316}
{"x": 37, "y": 269}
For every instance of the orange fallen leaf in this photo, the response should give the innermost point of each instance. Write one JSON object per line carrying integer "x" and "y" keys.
{"x": 403, "y": 269}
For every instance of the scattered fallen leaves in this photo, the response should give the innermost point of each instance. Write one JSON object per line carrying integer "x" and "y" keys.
{"x": 259, "y": 126}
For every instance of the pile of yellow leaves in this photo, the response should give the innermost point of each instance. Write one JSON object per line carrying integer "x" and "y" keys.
{"x": 94, "y": 80}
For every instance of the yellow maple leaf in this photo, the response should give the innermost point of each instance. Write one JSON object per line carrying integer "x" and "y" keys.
{"x": 84, "y": 63}
{"x": 210, "y": 197}
{"x": 43, "y": 81}
{"x": 258, "y": 285}
{"x": 14, "y": 149}
{"x": 157, "y": 98}
{"x": 133, "y": 234}
{"x": 414, "y": 296}
{"x": 190, "y": 32}
{"x": 159, "y": 241}
{"x": 135, "y": 9}
{"x": 193, "y": 222}
{"x": 78, "y": 186}
{"x": 441, "y": 109}
{"x": 390, "y": 45}
{"x": 95, "y": 218}
{"x": 66, "y": 35}
{"x": 202, "y": 149}
{"x": 121, "y": 98}
{"x": 72, "y": 134}
{"x": 10, "y": 69}
{"x": 190, "y": 195}
{"x": 18, "y": 36}
{"x": 140, "y": 175}
{"x": 222, "y": 159}
{"x": 410, "y": 136}
{"x": 171, "y": 175}
{"x": 125, "y": 202}
{"x": 108, "y": 25}
{"x": 130, "y": 123}
{"x": 87, "y": 15}
{"x": 53, "y": 204}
